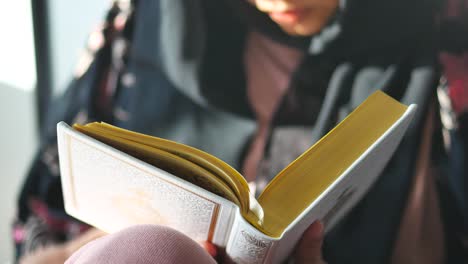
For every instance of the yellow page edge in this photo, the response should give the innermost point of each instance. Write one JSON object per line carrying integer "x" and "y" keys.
{"x": 373, "y": 99}
{"x": 408, "y": 114}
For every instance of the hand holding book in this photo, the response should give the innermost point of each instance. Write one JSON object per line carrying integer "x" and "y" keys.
{"x": 114, "y": 178}
{"x": 307, "y": 251}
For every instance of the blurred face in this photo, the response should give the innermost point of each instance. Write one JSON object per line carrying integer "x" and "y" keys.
{"x": 298, "y": 17}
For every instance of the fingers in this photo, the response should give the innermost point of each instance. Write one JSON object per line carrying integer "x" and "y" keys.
{"x": 52, "y": 254}
{"x": 210, "y": 248}
{"x": 219, "y": 254}
{"x": 309, "y": 249}
{"x": 83, "y": 239}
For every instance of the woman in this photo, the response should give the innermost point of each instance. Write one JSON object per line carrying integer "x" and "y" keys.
{"x": 256, "y": 83}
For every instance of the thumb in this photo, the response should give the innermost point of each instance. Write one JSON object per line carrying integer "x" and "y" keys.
{"x": 309, "y": 249}
{"x": 210, "y": 248}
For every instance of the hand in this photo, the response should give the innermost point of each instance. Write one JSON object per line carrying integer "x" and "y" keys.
{"x": 308, "y": 250}
{"x": 54, "y": 254}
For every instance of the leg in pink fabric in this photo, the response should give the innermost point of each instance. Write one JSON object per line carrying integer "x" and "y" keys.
{"x": 142, "y": 244}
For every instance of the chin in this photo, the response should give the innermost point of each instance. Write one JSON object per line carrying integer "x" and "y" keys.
{"x": 301, "y": 30}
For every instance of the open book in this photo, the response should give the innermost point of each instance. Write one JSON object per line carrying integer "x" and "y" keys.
{"x": 114, "y": 178}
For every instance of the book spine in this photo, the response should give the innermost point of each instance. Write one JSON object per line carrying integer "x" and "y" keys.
{"x": 248, "y": 245}
{"x": 63, "y": 141}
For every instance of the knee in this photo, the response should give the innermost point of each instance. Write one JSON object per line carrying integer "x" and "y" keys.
{"x": 143, "y": 244}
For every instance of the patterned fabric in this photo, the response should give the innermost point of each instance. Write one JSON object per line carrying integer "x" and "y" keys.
{"x": 42, "y": 228}
{"x": 455, "y": 82}
{"x": 453, "y": 100}
{"x": 41, "y": 219}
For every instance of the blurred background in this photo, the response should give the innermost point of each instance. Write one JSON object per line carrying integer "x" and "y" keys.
{"x": 39, "y": 38}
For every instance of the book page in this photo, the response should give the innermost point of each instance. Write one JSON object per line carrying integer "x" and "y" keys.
{"x": 340, "y": 197}
{"x": 306, "y": 178}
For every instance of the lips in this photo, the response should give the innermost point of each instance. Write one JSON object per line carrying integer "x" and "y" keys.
{"x": 288, "y": 17}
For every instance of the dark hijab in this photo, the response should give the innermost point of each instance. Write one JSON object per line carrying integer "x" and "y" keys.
{"x": 362, "y": 32}
{"x": 362, "y": 26}
{"x": 392, "y": 43}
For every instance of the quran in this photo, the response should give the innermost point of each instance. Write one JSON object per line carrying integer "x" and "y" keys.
{"x": 113, "y": 178}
